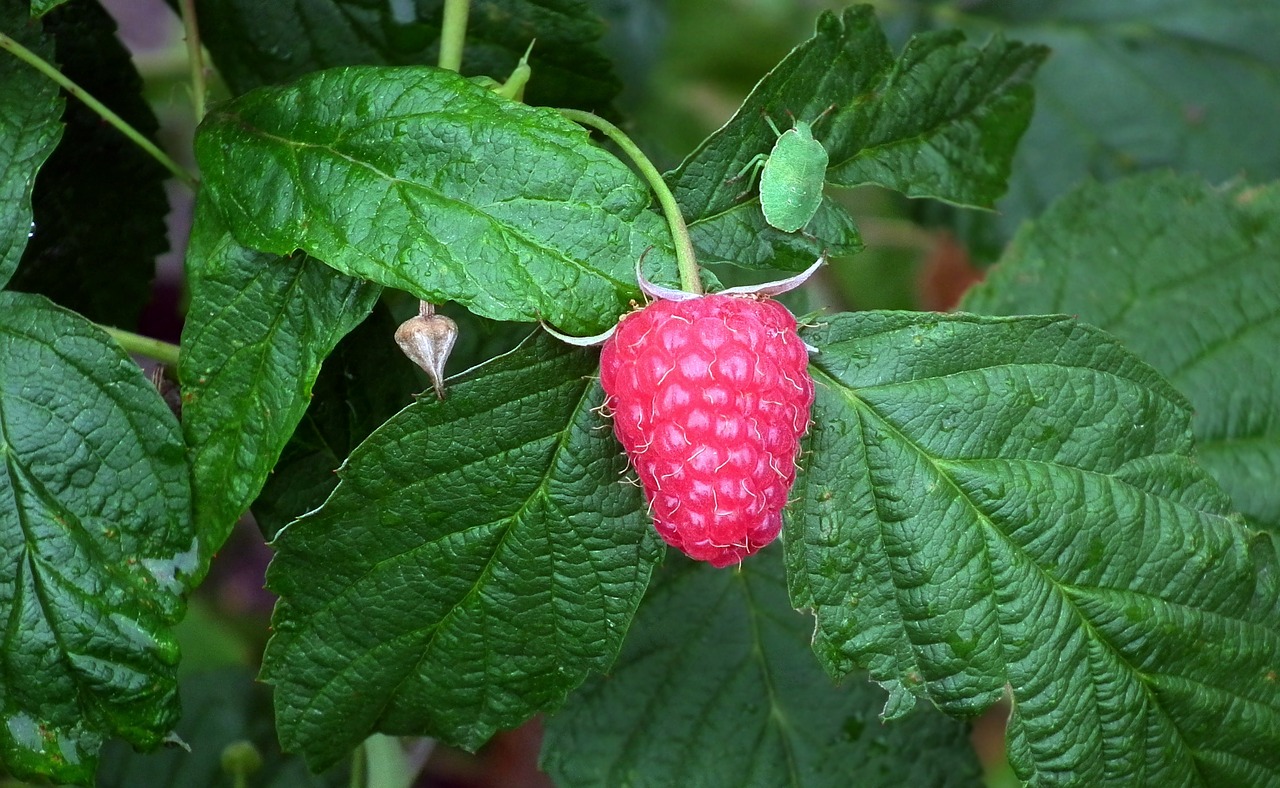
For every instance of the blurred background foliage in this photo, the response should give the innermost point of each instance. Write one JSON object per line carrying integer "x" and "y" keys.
{"x": 1189, "y": 85}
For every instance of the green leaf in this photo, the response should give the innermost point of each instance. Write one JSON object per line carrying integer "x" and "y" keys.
{"x": 427, "y": 182}
{"x": 99, "y": 201}
{"x": 365, "y": 380}
{"x": 41, "y": 7}
{"x": 30, "y": 106}
{"x": 1186, "y": 276}
{"x": 723, "y": 213}
{"x": 221, "y": 707}
{"x": 96, "y": 540}
{"x": 255, "y": 44}
{"x": 257, "y": 330}
{"x": 1188, "y": 84}
{"x": 741, "y": 236}
{"x": 717, "y": 680}
{"x": 942, "y": 122}
{"x": 479, "y": 557}
{"x": 1010, "y": 501}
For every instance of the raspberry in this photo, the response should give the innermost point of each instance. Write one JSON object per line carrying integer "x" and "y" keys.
{"x": 709, "y": 398}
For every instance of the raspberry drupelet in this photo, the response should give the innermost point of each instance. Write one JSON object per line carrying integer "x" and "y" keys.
{"x": 710, "y": 397}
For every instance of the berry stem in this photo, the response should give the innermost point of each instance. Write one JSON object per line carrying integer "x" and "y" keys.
{"x": 41, "y": 65}
{"x": 685, "y": 258}
{"x": 144, "y": 346}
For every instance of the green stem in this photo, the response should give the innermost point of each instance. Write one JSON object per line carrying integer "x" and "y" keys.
{"x": 39, "y": 64}
{"x": 453, "y": 33}
{"x": 453, "y": 39}
{"x": 685, "y": 258}
{"x": 144, "y": 346}
{"x": 195, "y": 57}
{"x": 357, "y": 777}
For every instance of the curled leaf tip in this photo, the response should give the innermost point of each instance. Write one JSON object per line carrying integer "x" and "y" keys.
{"x": 591, "y": 341}
{"x": 782, "y": 285}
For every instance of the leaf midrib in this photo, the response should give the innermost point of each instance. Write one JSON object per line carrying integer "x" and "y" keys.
{"x": 938, "y": 464}
{"x": 539, "y": 492}
{"x": 396, "y": 182}
{"x": 776, "y": 716}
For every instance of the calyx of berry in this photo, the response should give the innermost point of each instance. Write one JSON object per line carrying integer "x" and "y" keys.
{"x": 656, "y": 292}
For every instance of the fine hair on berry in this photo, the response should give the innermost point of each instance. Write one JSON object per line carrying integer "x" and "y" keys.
{"x": 710, "y": 397}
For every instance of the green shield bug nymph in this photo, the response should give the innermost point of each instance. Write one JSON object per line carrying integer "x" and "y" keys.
{"x": 793, "y": 174}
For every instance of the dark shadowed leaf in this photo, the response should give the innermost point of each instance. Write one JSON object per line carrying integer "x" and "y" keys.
{"x": 1011, "y": 501}
{"x": 427, "y": 182}
{"x": 219, "y": 708}
{"x": 96, "y": 543}
{"x": 257, "y": 330}
{"x": 257, "y": 44}
{"x": 717, "y": 680}
{"x": 1187, "y": 277}
{"x": 30, "y": 106}
{"x": 365, "y": 380}
{"x": 478, "y": 559}
{"x": 99, "y": 201}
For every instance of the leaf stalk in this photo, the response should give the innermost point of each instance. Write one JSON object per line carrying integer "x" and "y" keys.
{"x": 686, "y": 260}
{"x": 41, "y": 65}
{"x": 161, "y": 351}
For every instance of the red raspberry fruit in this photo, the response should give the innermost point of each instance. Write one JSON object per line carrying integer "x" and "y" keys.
{"x": 709, "y": 398}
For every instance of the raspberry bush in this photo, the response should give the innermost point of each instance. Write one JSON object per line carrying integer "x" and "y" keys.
{"x": 1052, "y": 509}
